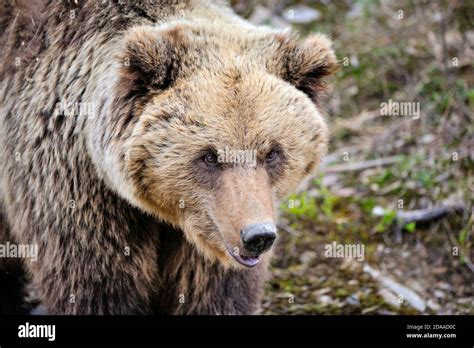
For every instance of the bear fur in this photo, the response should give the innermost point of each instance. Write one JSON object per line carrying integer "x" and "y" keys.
{"x": 106, "y": 111}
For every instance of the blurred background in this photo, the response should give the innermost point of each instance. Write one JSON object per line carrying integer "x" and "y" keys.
{"x": 401, "y": 186}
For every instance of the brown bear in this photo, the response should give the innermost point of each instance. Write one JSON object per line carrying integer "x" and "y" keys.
{"x": 143, "y": 148}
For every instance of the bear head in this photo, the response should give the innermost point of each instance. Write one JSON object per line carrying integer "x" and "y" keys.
{"x": 225, "y": 122}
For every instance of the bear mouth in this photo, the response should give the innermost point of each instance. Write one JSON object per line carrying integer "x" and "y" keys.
{"x": 247, "y": 261}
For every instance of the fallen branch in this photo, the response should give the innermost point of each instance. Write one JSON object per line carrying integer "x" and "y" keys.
{"x": 402, "y": 292}
{"x": 359, "y": 166}
{"x": 425, "y": 215}
{"x": 336, "y": 155}
{"x": 328, "y": 160}
{"x": 404, "y": 217}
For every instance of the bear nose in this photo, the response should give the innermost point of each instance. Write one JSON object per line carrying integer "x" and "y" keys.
{"x": 258, "y": 238}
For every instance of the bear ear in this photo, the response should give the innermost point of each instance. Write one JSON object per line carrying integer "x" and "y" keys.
{"x": 151, "y": 59}
{"x": 308, "y": 62}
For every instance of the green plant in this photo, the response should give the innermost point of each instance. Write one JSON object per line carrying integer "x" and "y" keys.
{"x": 410, "y": 227}
{"x": 301, "y": 206}
{"x": 386, "y": 221}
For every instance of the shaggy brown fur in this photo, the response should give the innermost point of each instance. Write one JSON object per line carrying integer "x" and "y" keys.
{"x": 127, "y": 216}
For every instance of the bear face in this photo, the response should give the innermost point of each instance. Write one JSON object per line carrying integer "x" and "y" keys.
{"x": 224, "y": 125}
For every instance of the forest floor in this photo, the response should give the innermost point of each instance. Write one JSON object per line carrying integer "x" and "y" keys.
{"x": 413, "y": 52}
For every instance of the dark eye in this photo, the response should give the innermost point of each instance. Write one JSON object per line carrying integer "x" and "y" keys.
{"x": 210, "y": 158}
{"x": 272, "y": 156}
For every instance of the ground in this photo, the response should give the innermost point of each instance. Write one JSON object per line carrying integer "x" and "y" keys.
{"x": 407, "y": 52}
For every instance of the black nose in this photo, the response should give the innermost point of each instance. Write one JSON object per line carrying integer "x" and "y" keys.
{"x": 258, "y": 237}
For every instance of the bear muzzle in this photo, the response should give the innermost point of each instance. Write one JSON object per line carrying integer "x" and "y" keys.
{"x": 256, "y": 239}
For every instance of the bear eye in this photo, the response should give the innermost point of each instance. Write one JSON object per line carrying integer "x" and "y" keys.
{"x": 210, "y": 158}
{"x": 272, "y": 156}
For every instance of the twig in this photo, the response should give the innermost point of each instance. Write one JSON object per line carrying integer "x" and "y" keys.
{"x": 398, "y": 289}
{"x": 359, "y": 166}
{"x": 288, "y": 229}
{"x": 424, "y": 215}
